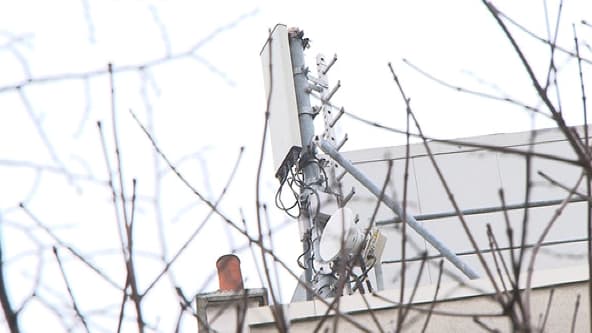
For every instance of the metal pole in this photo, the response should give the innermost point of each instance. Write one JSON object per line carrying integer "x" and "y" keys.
{"x": 379, "y": 276}
{"x": 396, "y": 207}
{"x": 489, "y": 250}
{"x": 484, "y": 210}
{"x": 323, "y": 284}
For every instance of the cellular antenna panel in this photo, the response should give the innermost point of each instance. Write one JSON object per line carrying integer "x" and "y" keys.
{"x": 279, "y": 82}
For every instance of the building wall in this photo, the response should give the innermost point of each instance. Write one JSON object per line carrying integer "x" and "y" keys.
{"x": 475, "y": 176}
{"x": 559, "y": 318}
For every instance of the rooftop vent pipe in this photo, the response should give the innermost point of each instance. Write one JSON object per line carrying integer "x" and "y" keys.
{"x": 229, "y": 273}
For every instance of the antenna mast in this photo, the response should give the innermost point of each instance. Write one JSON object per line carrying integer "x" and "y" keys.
{"x": 322, "y": 282}
{"x": 331, "y": 255}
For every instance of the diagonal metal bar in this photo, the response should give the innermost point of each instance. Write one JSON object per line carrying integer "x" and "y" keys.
{"x": 396, "y": 207}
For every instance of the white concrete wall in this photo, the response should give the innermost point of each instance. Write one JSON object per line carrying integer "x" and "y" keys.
{"x": 559, "y": 319}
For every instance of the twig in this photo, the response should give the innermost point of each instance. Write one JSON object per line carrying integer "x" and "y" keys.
{"x": 562, "y": 186}
{"x": 69, "y": 289}
{"x": 552, "y": 68}
{"x": 128, "y": 251}
{"x": 575, "y": 314}
{"x": 276, "y": 310}
{"x": 548, "y": 309}
{"x": 189, "y": 53}
{"x": 402, "y": 314}
{"x": 524, "y": 303}
{"x": 446, "y": 187}
{"x": 415, "y": 286}
{"x": 537, "y": 247}
{"x": 582, "y": 87}
{"x": 135, "y": 296}
{"x": 582, "y": 153}
{"x": 163, "y": 32}
{"x": 87, "y": 109}
{"x": 11, "y": 45}
{"x": 490, "y": 237}
{"x": 112, "y": 187}
{"x": 122, "y": 307}
{"x": 10, "y": 315}
{"x": 510, "y": 235}
{"x": 251, "y": 248}
{"x": 326, "y": 316}
{"x": 54, "y": 310}
{"x": 440, "y": 312}
{"x": 537, "y": 37}
{"x": 498, "y": 250}
{"x": 42, "y": 134}
{"x": 50, "y": 169}
{"x": 271, "y": 244}
{"x": 474, "y": 92}
{"x": 89, "y": 22}
{"x": 500, "y": 149}
{"x": 484, "y": 326}
{"x": 372, "y": 314}
{"x": 588, "y": 179}
{"x": 213, "y": 206}
{"x": 115, "y": 133}
{"x": 70, "y": 249}
{"x": 433, "y": 303}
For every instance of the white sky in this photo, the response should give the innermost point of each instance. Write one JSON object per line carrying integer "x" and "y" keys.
{"x": 206, "y": 107}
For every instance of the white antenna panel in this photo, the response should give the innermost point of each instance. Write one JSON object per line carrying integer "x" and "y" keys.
{"x": 341, "y": 229}
{"x": 279, "y": 82}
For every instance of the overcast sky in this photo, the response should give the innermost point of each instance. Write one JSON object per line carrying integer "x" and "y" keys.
{"x": 203, "y": 107}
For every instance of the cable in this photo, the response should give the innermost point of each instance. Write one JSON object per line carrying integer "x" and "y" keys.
{"x": 309, "y": 247}
{"x": 318, "y": 205}
{"x": 278, "y": 197}
{"x": 296, "y": 184}
{"x": 294, "y": 180}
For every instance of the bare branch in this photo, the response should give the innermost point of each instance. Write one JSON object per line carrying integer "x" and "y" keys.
{"x": 563, "y": 186}
{"x": 541, "y": 39}
{"x": 484, "y": 326}
{"x": 446, "y": 187}
{"x": 506, "y": 99}
{"x": 89, "y": 21}
{"x": 277, "y": 310}
{"x": 402, "y": 314}
{"x": 112, "y": 187}
{"x": 433, "y": 304}
{"x": 191, "y": 238}
{"x": 492, "y": 148}
{"x": 163, "y": 31}
{"x": 547, "y": 310}
{"x": 189, "y": 53}
{"x": 42, "y": 134}
{"x": 69, "y": 289}
{"x": 575, "y": 314}
{"x": 490, "y": 236}
{"x": 10, "y": 315}
{"x": 582, "y": 153}
{"x": 70, "y": 249}
{"x": 464, "y": 314}
{"x": 536, "y": 248}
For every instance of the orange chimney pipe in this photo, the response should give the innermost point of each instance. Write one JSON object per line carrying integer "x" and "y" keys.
{"x": 229, "y": 273}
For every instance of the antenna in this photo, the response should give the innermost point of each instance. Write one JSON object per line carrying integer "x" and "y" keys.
{"x": 280, "y": 92}
{"x": 289, "y": 86}
{"x": 341, "y": 235}
{"x": 334, "y": 245}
